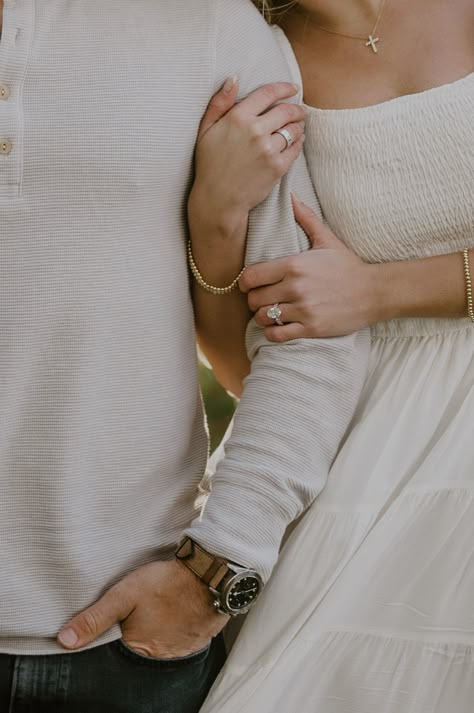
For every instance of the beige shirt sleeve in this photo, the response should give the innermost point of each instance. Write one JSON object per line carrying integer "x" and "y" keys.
{"x": 300, "y": 396}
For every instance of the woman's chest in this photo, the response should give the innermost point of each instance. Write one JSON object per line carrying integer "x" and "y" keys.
{"x": 396, "y": 181}
{"x": 415, "y": 47}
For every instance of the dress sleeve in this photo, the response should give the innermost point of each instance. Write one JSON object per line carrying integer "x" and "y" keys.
{"x": 300, "y": 396}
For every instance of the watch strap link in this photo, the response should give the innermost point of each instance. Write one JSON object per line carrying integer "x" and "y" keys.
{"x": 210, "y": 569}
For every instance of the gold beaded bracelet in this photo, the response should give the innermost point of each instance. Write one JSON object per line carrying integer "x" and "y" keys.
{"x": 467, "y": 272}
{"x": 201, "y": 281}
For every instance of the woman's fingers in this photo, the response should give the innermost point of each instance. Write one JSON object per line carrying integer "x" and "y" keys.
{"x": 273, "y": 294}
{"x": 259, "y": 101}
{"x": 263, "y": 273}
{"x": 319, "y": 234}
{"x": 289, "y": 156}
{"x": 262, "y": 99}
{"x": 281, "y": 115}
{"x": 221, "y": 103}
{"x": 291, "y": 328}
{"x": 288, "y": 314}
{"x": 286, "y": 333}
{"x": 309, "y": 221}
{"x": 296, "y": 131}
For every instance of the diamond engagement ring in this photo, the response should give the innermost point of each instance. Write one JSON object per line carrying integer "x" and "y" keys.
{"x": 275, "y": 313}
{"x": 287, "y": 136}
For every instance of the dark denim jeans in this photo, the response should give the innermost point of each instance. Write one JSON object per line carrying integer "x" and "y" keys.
{"x": 107, "y": 679}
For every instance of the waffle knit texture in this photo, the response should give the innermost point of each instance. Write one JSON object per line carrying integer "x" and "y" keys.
{"x": 103, "y": 442}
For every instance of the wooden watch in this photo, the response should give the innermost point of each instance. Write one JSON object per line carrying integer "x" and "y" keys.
{"x": 235, "y": 588}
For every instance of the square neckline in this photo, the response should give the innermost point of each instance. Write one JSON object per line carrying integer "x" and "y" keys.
{"x": 401, "y": 100}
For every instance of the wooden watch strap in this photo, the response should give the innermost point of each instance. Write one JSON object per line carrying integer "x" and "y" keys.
{"x": 211, "y": 570}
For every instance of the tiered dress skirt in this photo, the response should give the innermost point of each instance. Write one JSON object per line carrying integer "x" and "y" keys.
{"x": 371, "y": 607}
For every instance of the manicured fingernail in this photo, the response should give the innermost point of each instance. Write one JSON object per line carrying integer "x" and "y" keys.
{"x": 296, "y": 198}
{"x": 230, "y": 84}
{"x": 297, "y": 87}
{"x": 68, "y": 637}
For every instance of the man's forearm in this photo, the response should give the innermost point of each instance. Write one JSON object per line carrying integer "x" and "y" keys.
{"x": 300, "y": 397}
{"x": 286, "y": 434}
{"x": 296, "y": 407}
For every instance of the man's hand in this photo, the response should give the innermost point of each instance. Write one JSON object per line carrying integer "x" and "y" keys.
{"x": 164, "y": 609}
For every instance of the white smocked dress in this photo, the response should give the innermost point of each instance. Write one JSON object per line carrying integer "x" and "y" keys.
{"x": 371, "y": 606}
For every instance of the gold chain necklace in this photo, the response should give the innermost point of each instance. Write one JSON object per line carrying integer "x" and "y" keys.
{"x": 371, "y": 41}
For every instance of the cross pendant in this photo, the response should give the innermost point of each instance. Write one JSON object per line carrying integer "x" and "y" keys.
{"x": 372, "y": 43}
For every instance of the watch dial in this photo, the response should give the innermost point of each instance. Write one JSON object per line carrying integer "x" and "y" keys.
{"x": 243, "y": 593}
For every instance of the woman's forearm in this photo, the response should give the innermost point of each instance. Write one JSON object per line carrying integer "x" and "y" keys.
{"x": 221, "y": 321}
{"x": 240, "y": 157}
{"x": 430, "y": 287}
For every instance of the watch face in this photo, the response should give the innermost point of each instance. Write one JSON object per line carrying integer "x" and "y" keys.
{"x": 242, "y": 591}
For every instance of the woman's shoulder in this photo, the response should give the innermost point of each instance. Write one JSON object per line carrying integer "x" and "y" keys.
{"x": 287, "y": 50}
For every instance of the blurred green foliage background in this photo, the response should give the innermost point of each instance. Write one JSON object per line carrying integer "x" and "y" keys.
{"x": 219, "y": 406}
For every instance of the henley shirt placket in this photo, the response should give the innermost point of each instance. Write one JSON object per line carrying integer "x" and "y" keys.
{"x": 15, "y": 47}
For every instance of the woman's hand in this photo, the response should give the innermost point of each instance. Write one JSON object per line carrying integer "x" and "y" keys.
{"x": 326, "y": 292}
{"x": 240, "y": 157}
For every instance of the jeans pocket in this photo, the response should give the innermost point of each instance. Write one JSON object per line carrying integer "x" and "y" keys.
{"x": 164, "y": 664}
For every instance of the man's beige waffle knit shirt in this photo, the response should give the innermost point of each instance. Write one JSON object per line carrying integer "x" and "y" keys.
{"x": 102, "y": 436}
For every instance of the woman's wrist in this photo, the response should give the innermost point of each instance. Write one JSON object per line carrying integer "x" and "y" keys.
{"x": 218, "y": 240}
{"x": 379, "y": 303}
{"x": 393, "y": 293}
{"x": 385, "y": 293}
{"x": 219, "y": 221}
{"x": 424, "y": 288}
{"x": 397, "y": 291}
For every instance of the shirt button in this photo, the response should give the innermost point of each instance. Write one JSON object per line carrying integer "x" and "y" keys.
{"x": 5, "y": 147}
{"x": 4, "y": 92}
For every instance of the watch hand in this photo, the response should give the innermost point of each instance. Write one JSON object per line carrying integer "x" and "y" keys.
{"x": 248, "y": 591}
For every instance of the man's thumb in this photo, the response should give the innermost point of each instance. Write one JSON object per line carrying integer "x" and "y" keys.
{"x": 87, "y": 626}
{"x": 220, "y": 104}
